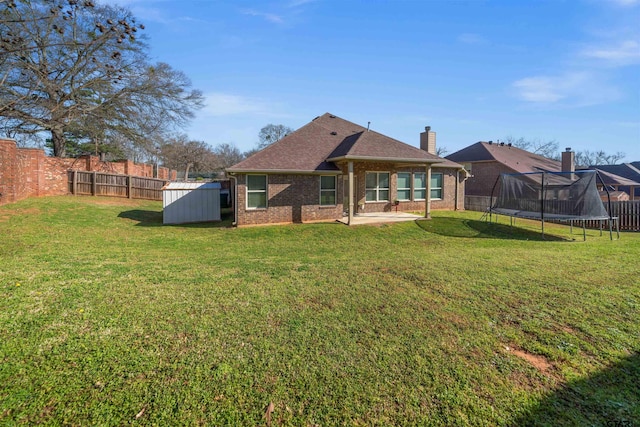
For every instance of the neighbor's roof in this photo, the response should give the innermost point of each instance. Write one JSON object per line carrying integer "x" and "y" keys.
{"x": 515, "y": 158}
{"x": 326, "y": 139}
{"x": 613, "y": 179}
{"x": 627, "y": 172}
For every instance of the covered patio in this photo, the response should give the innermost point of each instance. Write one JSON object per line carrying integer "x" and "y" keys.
{"x": 380, "y": 217}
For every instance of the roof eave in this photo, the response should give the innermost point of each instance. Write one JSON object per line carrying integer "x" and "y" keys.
{"x": 385, "y": 159}
{"x": 285, "y": 171}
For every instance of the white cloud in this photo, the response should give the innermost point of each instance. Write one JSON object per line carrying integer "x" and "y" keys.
{"x": 622, "y": 53}
{"x": 223, "y": 104}
{"x": 539, "y": 89}
{"x": 625, "y": 3}
{"x": 471, "y": 38}
{"x": 296, "y": 3}
{"x": 271, "y": 17}
{"x": 571, "y": 89}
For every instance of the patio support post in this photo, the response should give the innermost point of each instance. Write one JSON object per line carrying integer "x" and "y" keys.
{"x": 350, "y": 193}
{"x": 427, "y": 197}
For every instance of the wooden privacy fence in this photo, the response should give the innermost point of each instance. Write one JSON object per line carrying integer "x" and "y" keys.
{"x": 628, "y": 212}
{"x": 108, "y": 184}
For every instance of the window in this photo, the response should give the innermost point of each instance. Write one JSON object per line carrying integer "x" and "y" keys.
{"x": 419, "y": 186}
{"x": 377, "y": 186}
{"x": 256, "y": 191}
{"x": 328, "y": 190}
{"x": 436, "y": 186}
{"x": 404, "y": 186}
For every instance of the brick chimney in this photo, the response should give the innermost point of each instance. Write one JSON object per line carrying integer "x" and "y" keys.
{"x": 568, "y": 160}
{"x": 428, "y": 140}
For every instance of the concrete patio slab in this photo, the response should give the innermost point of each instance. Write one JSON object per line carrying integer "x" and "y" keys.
{"x": 381, "y": 217}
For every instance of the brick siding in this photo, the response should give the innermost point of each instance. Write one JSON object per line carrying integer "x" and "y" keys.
{"x": 291, "y": 198}
{"x": 28, "y": 172}
{"x": 484, "y": 176}
{"x": 296, "y": 198}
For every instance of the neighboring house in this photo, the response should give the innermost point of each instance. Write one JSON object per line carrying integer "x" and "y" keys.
{"x": 624, "y": 177}
{"x": 331, "y": 168}
{"x": 485, "y": 161}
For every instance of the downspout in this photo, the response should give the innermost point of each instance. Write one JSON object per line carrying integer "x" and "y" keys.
{"x": 466, "y": 176}
{"x": 235, "y": 200}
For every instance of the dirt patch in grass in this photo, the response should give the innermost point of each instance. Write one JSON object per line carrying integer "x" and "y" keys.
{"x": 5, "y": 216}
{"x": 568, "y": 329}
{"x": 116, "y": 201}
{"x": 538, "y": 362}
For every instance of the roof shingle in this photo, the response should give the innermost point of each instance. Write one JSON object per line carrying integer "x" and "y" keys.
{"x": 308, "y": 149}
{"x": 515, "y": 158}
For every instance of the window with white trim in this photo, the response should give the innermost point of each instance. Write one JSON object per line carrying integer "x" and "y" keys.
{"x": 419, "y": 185}
{"x": 328, "y": 189}
{"x": 377, "y": 186}
{"x": 404, "y": 186}
{"x": 256, "y": 191}
{"x": 436, "y": 186}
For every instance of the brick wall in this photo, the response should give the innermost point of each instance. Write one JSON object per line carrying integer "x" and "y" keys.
{"x": 448, "y": 201}
{"x": 292, "y": 198}
{"x": 27, "y": 172}
{"x": 484, "y": 176}
{"x": 7, "y": 171}
{"x": 296, "y": 198}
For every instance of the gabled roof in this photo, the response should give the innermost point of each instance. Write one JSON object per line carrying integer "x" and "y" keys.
{"x": 627, "y": 172}
{"x": 315, "y": 147}
{"x": 515, "y": 158}
{"x": 613, "y": 179}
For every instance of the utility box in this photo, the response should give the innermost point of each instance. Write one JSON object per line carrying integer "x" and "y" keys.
{"x": 185, "y": 202}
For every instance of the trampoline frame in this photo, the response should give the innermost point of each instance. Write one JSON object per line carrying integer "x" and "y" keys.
{"x": 541, "y": 216}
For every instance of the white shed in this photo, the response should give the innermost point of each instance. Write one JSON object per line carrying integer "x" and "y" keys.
{"x": 184, "y": 202}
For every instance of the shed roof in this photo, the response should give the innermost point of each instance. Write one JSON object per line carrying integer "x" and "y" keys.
{"x": 191, "y": 185}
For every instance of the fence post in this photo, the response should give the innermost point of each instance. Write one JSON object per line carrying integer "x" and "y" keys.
{"x": 94, "y": 183}
{"x": 129, "y": 186}
{"x": 74, "y": 183}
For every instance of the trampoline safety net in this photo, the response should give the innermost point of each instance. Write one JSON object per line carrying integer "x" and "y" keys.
{"x": 550, "y": 196}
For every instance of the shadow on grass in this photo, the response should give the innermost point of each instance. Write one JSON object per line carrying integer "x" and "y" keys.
{"x": 460, "y": 227}
{"x": 608, "y": 398}
{"x": 154, "y": 219}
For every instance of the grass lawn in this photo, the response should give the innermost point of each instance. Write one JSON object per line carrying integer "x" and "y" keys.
{"x": 109, "y": 318}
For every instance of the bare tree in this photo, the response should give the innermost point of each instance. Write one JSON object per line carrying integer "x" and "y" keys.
{"x": 71, "y": 64}
{"x": 227, "y": 155}
{"x": 593, "y": 158}
{"x": 272, "y": 133}
{"x": 250, "y": 152}
{"x": 441, "y": 151}
{"x": 548, "y": 149}
{"x": 183, "y": 154}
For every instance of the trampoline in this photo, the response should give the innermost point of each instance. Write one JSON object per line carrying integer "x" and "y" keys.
{"x": 552, "y": 196}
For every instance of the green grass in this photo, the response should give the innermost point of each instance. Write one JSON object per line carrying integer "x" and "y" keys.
{"x": 109, "y": 318}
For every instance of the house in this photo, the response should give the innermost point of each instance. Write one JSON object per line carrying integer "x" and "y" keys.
{"x": 485, "y": 161}
{"x": 331, "y": 168}
{"x": 623, "y": 177}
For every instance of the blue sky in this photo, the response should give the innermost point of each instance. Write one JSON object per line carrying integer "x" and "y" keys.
{"x": 472, "y": 70}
